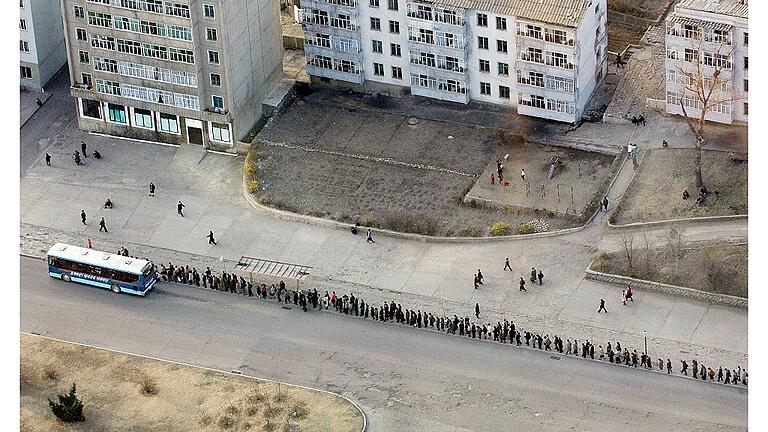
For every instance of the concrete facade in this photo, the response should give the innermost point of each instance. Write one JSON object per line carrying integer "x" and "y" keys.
{"x": 41, "y": 42}
{"x": 545, "y": 63}
{"x": 178, "y": 72}
{"x": 702, "y": 38}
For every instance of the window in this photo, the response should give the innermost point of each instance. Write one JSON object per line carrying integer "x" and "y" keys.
{"x": 558, "y": 59}
{"x": 691, "y": 55}
{"x": 392, "y": 5}
{"x": 504, "y": 92}
{"x": 169, "y": 123}
{"x": 81, "y": 35}
{"x": 394, "y": 27}
{"x": 108, "y": 87}
{"x": 83, "y": 55}
{"x": 485, "y": 88}
{"x": 485, "y": 66}
{"x": 91, "y": 109}
{"x": 155, "y": 51}
{"x": 503, "y": 69}
{"x": 375, "y": 24}
{"x": 79, "y": 12}
{"x": 746, "y": 85}
{"x": 213, "y": 57}
{"x": 215, "y": 80}
{"x": 24, "y": 46}
{"x": 142, "y": 118}
{"x": 108, "y": 43}
{"x": 482, "y": 20}
{"x": 717, "y": 60}
{"x": 26, "y": 72}
{"x": 532, "y": 78}
{"x": 746, "y": 39}
{"x": 211, "y": 34}
{"x": 99, "y": 19}
{"x": 672, "y": 54}
{"x": 105, "y": 65}
{"x": 559, "y": 83}
{"x": 181, "y": 55}
{"x": 501, "y": 46}
{"x": 397, "y": 73}
{"x": 374, "y": 3}
{"x": 177, "y": 9}
{"x": 378, "y": 69}
{"x": 208, "y": 11}
{"x": 127, "y": 46}
{"x": 23, "y": 24}
{"x": 179, "y": 32}
{"x": 220, "y": 132}
{"x": 21, "y": 3}
{"x": 746, "y": 62}
{"x": 534, "y": 101}
{"x": 116, "y": 113}
{"x": 746, "y": 108}
{"x": 87, "y": 79}
{"x": 482, "y": 42}
{"x": 501, "y": 23}
{"x": 218, "y": 102}
{"x": 376, "y": 46}
{"x": 394, "y": 49}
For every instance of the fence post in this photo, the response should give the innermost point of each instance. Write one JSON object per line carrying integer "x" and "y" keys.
{"x": 571, "y": 194}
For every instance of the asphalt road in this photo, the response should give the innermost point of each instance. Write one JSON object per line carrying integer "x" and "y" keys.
{"x": 404, "y": 379}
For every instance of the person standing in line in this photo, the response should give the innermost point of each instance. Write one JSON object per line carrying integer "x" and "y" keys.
{"x": 369, "y": 236}
{"x": 48, "y": 159}
{"x": 533, "y": 275}
{"x": 695, "y": 369}
{"x": 475, "y": 281}
{"x": 541, "y": 277}
{"x": 211, "y": 240}
{"x": 151, "y": 189}
{"x": 82, "y": 147}
{"x": 90, "y": 244}
{"x": 522, "y": 284}
{"x": 720, "y": 374}
{"x": 477, "y": 310}
{"x": 669, "y": 366}
{"x": 506, "y": 264}
{"x": 102, "y": 225}
{"x": 479, "y": 277}
{"x": 179, "y": 207}
{"x": 82, "y": 216}
{"x": 602, "y": 306}
{"x": 684, "y": 370}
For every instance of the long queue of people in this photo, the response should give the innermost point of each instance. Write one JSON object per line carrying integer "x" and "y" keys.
{"x": 505, "y": 331}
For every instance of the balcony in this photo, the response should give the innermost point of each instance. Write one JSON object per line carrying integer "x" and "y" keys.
{"x": 435, "y": 15}
{"x": 322, "y": 4}
{"x": 334, "y": 68}
{"x": 439, "y": 88}
{"x": 438, "y": 64}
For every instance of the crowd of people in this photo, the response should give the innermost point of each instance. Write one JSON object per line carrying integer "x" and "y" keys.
{"x": 504, "y": 332}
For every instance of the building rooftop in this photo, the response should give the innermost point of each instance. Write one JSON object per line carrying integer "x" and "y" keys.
{"x": 734, "y": 8}
{"x": 561, "y": 12}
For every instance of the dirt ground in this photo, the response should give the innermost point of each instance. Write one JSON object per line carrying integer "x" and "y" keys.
{"x": 720, "y": 269}
{"x": 184, "y": 399}
{"x": 651, "y": 9}
{"x": 656, "y": 191}
{"x": 333, "y": 175}
{"x": 621, "y": 35}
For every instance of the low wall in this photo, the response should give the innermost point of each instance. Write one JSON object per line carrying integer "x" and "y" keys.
{"x": 673, "y": 290}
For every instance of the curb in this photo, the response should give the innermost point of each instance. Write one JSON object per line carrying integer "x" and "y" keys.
{"x": 365, "y": 419}
{"x": 683, "y": 220}
{"x": 671, "y": 290}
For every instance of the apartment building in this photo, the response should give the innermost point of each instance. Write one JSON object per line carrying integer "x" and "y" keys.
{"x": 704, "y": 37}
{"x": 545, "y": 57}
{"x": 41, "y": 42}
{"x": 180, "y": 71}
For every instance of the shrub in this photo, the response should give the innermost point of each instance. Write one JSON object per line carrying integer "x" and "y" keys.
{"x": 469, "y": 232}
{"x": 526, "y": 228}
{"x": 249, "y": 169}
{"x": 368, "y": 220}
{"x": 51, "y": 373}
{"x": 147, "y": 385}
{"x": 226, "y": 422}
{"x": 409, "y": 223}
{"x": 602, "y": 256}
{"x": 69, "y": 408}
{"x": 299, "y": 410}
{"x": 499, "y": 229}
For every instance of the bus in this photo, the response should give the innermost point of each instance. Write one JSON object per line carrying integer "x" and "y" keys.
{"x": 119, "y": 273}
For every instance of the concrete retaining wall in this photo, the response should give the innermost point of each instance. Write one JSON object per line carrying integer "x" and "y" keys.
{"x": 673, "y": 290}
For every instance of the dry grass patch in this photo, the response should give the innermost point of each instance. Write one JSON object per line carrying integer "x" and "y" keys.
{"x": 127, "y": 393}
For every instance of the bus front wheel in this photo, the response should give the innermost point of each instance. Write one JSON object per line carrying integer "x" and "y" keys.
{"x": 66, "y": 278}
{"x": 116, "y": 289}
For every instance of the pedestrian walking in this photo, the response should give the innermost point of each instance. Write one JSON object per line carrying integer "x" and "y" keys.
{"x": 151, "y": 189}
{"x": 82, "y": 147}
{"x": 48, "y": 159}
{"x": 179, "y": 207}
{"x": 506, "y": 265}
{"x": 533, "y": 275}
{"x": 522, "y": 284}
{"x": 38, "y": 102}
{"x": 77, "y": 159}
{"x": 475, "y": 281}
{"x": 602, "y": 306}
{"x": 605, "y": 203}
{"x": 541, "y": 277}
{"x": 369, "y": 236}
{"x": 493, "y": 178}
{"x": 477, "y": 310}
{"x": 479, "y": 277}
{"x": 211, "y": 240}
{"x": 522, "y": 173}
{"x": 82, "y": 216}
{"x": 669, "y": 367}
{"x": 102, "y": 225}
{"x": 90, "y": 244}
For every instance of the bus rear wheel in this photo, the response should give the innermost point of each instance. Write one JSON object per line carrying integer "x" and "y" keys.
{"x": 116, "y": 289}
{"x": 66, "y": 278}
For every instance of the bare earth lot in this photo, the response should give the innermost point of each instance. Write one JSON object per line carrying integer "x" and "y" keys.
{"x": 621, "y": 35}
{"x": 650, "y": 9}
{"x": 437, "y": 164}
{"x": 720, "y": 269}
{"x": 185, "y": 399}
{"x": 656, "y": 191}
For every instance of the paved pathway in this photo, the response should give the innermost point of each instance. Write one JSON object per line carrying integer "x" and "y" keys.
{"x": 426, "y": 275}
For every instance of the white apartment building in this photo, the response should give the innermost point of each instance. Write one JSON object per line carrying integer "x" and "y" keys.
{"x": 175, "y": 71}
{"x": 704, "y": 36}
{"x": 545, "y": 57}
{"x": 41, "y": 42}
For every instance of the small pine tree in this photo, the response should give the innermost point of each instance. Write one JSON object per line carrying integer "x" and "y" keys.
{"x": 69, "y": 408}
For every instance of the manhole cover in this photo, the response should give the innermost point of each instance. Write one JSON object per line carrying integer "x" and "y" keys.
{"x": 413, "y": 121}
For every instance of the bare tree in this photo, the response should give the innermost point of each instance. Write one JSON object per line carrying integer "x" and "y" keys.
{"x": 648, "y": 255}
{"x": 629, "y": 249}
{"x": 710, "y": 53}
{"x": 674, "y": 237}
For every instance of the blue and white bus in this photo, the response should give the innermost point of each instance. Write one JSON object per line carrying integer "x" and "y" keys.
{"x": 102, "y": 269}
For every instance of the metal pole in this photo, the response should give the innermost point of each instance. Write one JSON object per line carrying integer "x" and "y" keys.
{"x": 645, "y": 339}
